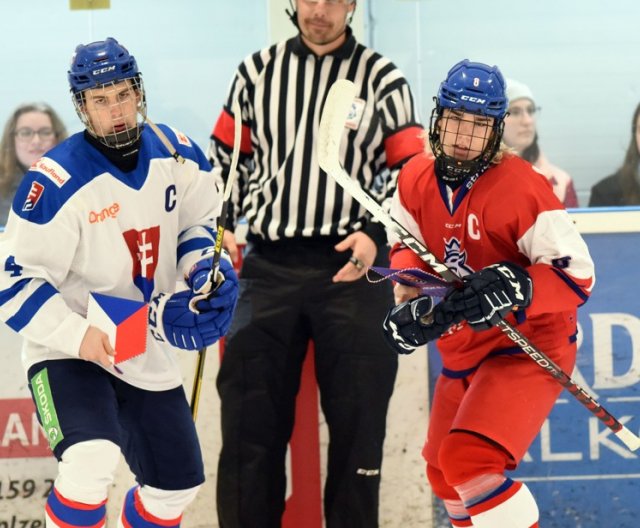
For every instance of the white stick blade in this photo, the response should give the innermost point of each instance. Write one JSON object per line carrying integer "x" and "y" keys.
{"x": 628, "y": 438}
{"x": 334, "y": 116}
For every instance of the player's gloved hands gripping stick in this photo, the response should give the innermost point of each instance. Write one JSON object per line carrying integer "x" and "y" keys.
{"x": 416, "y": 322}
{"x": 212, "y": 283}
{"x": 192, "y": 319}
{"x": 487, "y": 296}
{"x": 483, "y": 300}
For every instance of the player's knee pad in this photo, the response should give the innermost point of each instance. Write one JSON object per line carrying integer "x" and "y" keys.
{"x": 464, "y": 456}
{"x": 86, "y": 471}
{"x": 164, "y": 506}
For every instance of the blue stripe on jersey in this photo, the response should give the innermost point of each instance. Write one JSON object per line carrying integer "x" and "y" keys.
{"x": 574, "y": 287}
{"x": 208, "y": 229}
{"x": 10, "y": 293}
{"x": 29, "y": 308}
{"x": 458, "y": 374}
{"x": 193, "y": 244}
{"x": 494, "y": 493}
{"x": 75, "y": 516}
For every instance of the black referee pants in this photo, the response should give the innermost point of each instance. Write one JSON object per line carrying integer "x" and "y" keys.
{"x": 286, "y": 299}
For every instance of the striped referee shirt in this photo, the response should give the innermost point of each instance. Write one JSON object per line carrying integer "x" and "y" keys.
{"x": 281, "y": 189}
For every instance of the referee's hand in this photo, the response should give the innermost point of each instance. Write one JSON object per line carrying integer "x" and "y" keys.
{"x": 229, "y": 243}
{"x": 363, "y": 254}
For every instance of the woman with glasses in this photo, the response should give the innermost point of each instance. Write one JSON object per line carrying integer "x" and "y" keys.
{"x": 622, "y": 187}
{"x": 520, "y": 133}
{"x": 32, "y": 130}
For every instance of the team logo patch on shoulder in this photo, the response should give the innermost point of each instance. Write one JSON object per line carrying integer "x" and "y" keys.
{"x": 34, "y": 195}
{"x": 182, "y": 139}
{"x": 355, "y": 114}
{"x": 51, "y": 170}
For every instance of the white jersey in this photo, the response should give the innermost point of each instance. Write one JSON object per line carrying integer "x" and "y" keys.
{"x": 78, "y": 225}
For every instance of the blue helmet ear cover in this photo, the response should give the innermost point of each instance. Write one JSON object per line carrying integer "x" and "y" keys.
{"x": 99, "y": 63}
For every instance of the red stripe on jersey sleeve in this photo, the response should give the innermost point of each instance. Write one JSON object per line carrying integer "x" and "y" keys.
{"x": 403, "y": 144}
{"x": 223, "y": 132}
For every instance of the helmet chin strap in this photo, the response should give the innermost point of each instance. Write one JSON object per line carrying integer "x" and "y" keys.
{"x": 122, "y": 139}
{"x": 293, "y": 15}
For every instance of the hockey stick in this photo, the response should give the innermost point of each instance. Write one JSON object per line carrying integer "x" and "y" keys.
{"x": 336, "y": 110}
{"x": 217, "y": 250}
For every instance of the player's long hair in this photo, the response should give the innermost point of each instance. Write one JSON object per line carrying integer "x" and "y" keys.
{"x": 628, "y": 174}
{"x": 10, "y": 168}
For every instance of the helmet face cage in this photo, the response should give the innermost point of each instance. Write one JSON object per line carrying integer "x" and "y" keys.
{"x": 470, "y": 88}
{"x": 127, "y": 110}
{"x": 452, "y": 169}
{"x": 104, "y": 67}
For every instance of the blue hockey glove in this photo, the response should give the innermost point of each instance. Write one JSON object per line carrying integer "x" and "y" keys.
{"x": 171, "y": 320}
{"x": 220, "y": 294}
{"x": 199, "y": 278}
{"x": 488, "y": 295}
{"x": 415, "y": 323}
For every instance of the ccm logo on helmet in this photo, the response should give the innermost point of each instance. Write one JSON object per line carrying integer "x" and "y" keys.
{"x": 473, "y": 99}
{"x": 104, "y": 70}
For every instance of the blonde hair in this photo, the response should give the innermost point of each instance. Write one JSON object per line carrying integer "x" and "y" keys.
{"x": 10, "y": 168}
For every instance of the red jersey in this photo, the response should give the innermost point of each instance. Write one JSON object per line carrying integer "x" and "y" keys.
{"x": 508, "y": 213}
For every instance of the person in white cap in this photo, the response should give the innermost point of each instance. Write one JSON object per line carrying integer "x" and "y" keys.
{"x": 520, "y": 133}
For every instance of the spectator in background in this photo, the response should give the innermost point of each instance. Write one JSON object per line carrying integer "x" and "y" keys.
{"x": 32, "y": 130}
{"x": 520, "y": 133}
{"x": 623, "y": 187}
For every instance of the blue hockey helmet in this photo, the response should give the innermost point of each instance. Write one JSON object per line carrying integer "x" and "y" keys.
{"x": 475, "y": 88}
{"x": 99, "y": 63}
